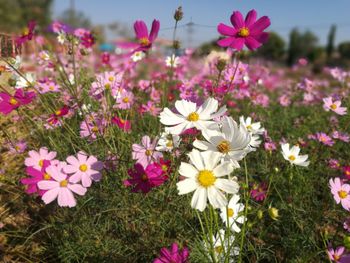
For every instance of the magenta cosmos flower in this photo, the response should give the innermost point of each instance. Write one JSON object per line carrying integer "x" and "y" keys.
{"x": 60, "y": 187}
{"x": 334, "y": 106}
{"x": 341, "y": 192}
{"x": 36, "y": 159}
{"x": 335, "y": 255}
{"x": 173, "y": 255}
{"x": 27, "y": 34}
{"x": 83, "y": 168}
{"x": 145, "y": 152}
{"x": 9, "y": 103}
{"x": 35, "y": 176}
{"x": 247, "y": 32}
{"x": 145, "y": 179}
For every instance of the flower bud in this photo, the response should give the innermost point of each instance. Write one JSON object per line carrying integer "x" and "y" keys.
{"x": 176, "y": 44}
{"x": 178, "y": 14}
{"x": 221, "y": 64}
{"x": 273, "y": 212}
{"x": 260, "y": 214}
{"x": 346, "y": 242}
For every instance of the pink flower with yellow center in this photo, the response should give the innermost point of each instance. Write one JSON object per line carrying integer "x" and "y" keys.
{"x": 341, "y": 192}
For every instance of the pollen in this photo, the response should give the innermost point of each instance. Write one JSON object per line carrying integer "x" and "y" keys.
{"x": 83, "y": 167}
{"x": 291, "y": 157}
{"x": 107, "y": 86}
{"x": 333, "y": 106}
{"x": 218, "y": 249}
{"x": 13, "y": 101}
{"x": 94, "y": 129}
{"x": 223, "y": 147}
{"x": 58, "y": 112}
{"x": 64, "y": 183}
{"x": 230, "y": 212}
{"x": 47, "y": 176}
{"x": 41, "y": 163}
{"x": 194, "y": 116}
{"x": 249, "y": 127}
{"x": 25, "y": 31}
{"x": 144, "y": 41}
{"x": 164, "y": 168}
{"x": 244, "y": 32}
{"x": 148, "y": 152}
{"x": 206, "y": 178}
{"x": 342, "y": 194}
{"x": 126, "y": 100}
{"x": 111, "y": 78}
{"x": 169, "y": 144}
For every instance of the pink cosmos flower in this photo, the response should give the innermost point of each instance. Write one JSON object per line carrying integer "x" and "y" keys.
{"x": 334, "y": 164}
{"x": 284, "y": 100}
{"x": 335, "y": 255}
{"x": 341, "y": 136}
{"x": 36, "y": 159}
{"x": 35, "y": 177}
{"x": 125, "y": 100}
{"x": 83, "y": 168}
{"x": 54, "y": 119}
{"x": 340, "y": 192}
{"x": 9, "y": 103}
{"x": 18, "y": 147}
{"x": 60, "y": 187}
{"x": 105, "y": 58}
{"x": 145, "y": 152}
{"x": 27, "y": 35}
{"x": 346, "y": 224}
{"x": 173, "y": 255}
{"x": 270, "y": 146}
{"x": 87, "y": 40}
{"x": 324, "y": 138}
{"x": 248, "y": 31}
{"x": 329, "y": 104}
{"x": 125, "y": 125}
{"x": 259, "y": 191}
{"x": 346, "y": 170}
{"x": 106, "y": 81}
{"x": 144, "y": 179}
{"x": 150, "y": 108}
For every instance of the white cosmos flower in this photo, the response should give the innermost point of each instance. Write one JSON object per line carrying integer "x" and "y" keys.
{"x": 231, "y": 142}
{"x": 203, "y": 175}
{"x": 292, "y": 155}
{"x": 232, "y": 213}
{"x": 190, "y": 115}
{"x": 61, "y": 37}
{"x": 254, "y": 128}
{"x": 26, "y": 81}
{"x": 222, "y": 245}
{"x": 172, "y": 61}
{"x": 137, "y": 56}
{"x": 167, "y": 142}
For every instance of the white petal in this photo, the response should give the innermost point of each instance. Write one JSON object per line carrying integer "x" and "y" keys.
{"x": 188, "y": 170}
{"x": 199, "y": 199}
{"x": 228, "y": 186}
{"x": 186, "y": 186}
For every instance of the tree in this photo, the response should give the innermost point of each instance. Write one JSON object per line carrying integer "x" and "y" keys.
{"x": 294, "y": 48}
{"x": 330, "y": 43}
{"x": 344, "y": 50}
{"x": 274, "y": 48}
{"x": 75, "y": 18}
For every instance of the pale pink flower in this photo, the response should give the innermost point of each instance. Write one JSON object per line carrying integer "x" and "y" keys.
{"x": 341, "y": 192}
{"x": 145, "y": 152}
{"x": 335, "y": 255}
{"x": 36, "y": 159}
{"x": 125, "y": 100}
{"x": 60, "y": 187}
{"x": 329, "y": 104}
{"x": 83, "y": 168}
{"x": 324, "y": 138}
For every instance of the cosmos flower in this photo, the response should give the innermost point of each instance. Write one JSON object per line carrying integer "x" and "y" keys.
{"x": 145, "y": 153}
{"x": 27, "y": 34}
{"x": 172, "y": 61}
{"x": 223, "y": 245}
{"x": 231, "y": 214}
{"x": 167, "y": 142}
{"x": 334, "y": 106}
{"x": 341, "y": 192}
{"x": 60, "y": 188}
{"x": 190, "y": 115}
{"x": 247, "y": 32}
{"x": 292, "y": 155}
{"x": 9, "y": 103}
{"x": 36, "y": 159}
{"x": 35, "y": 176}
{"x": 173, "y": 255}
{"x": 145, "y": 40}
{"x": 335, "y": 255}
{"x": 144, "y": 179}
{"x": 203, "y": 175}
{"x": 259, "y": 191}
{"x": 125, "y": 125}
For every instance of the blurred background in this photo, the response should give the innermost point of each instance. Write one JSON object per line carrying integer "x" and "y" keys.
{"x": 316, "y": 30}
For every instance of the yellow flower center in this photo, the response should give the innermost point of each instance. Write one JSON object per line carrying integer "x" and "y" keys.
{"x": 249, "y": 127}
{"x": 47, "y": 176}
{"x": 122, "y": 121}
{"x": 144, "y": 41}
{"x": 206, "y": 178}
{"x": 291, "y": 157}
{"x": 58, "y": 112}
{"x": 107, "y": 86}
{"x": 194, "y": 116}
{"x": 342, "y": 194}
{"x": 41, "y": 163}
{"x": 126, "y": 100}
{"x": 64, "y": 183}
{"x": 51, "y": 87}
{"x": 13, "y": 101}
{"x": 83, "y": 167}
{"x": 333, "y": 106}
{"x": 94, "y": 129}
{"x": 230, "y": 212}
{"x": 169, "y": 144}
{"x": 243, "y": 32}
{"x": 223, "y": 147}
{"x": 25, "y": 31}
{"x": 144, "y": 177}
{"x": 148, "y": 152}
{"x": 218, "y": 249}
{"x": 164, "y": 168}
{"x": 111, "y": 78}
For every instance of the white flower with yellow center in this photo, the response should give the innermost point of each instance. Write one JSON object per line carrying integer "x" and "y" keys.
{"x": 172, "y": 61}
{"x": 231, "y": 214}
{"x": 223, "y": 245}
{"x": 204, "y": 176}
{"x": 190, "y": 115}
{"x": 137, "y": 56}
{"x": 292, "y": 155}
{"x": 255, "y": 131}
{"x": 167, "y": 142}
{"x": 25, "y": 81}
{"x": 231, "y": 142}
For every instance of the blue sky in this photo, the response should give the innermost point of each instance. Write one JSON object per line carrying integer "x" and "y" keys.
{"x": 316, "y": 15}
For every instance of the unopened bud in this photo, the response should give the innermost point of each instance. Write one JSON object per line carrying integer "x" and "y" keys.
{"x": 221, "y": 64}
{"x": 273, "y": 212}
{"x": 176, "y": 44}
{"x": 260, "y": 214}
{"x": 346, "y": 242}
{"x": 178, "y": 14}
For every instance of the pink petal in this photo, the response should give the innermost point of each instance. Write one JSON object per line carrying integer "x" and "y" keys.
{"x": 65, "y": 197}
{"x": 82, "y": 157}
{"x": 237, "y": 20}
{"x": 72, "y": 160}
{"x": 238, "y": 43}
{"x": 250, "y": 18}
{"x": 75, "y": 177}
{"x": 77, "y": 188}
{"x": 86, "y": 180}
{"x": 50, "y": 195}
{"x": 70, "y": 169}
{"x": 226, "y": 30}
{"x": 48, "y": 184}
{"x": 226, "y": 42}
{"x": 141, "y": 30}
{"x": 260, "y": 25}
{"x": 252, "y": 43}
{"x": 154, "y": 31}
